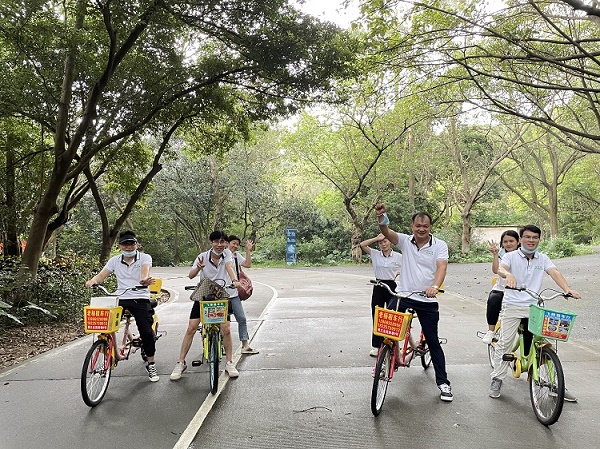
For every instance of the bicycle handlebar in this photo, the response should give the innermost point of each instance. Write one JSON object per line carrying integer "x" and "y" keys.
{"x": 538, "y": 296}
{"x": 193, "y": 287}
{"x": 106, "y": 292}
{"x": 398, "y": 294}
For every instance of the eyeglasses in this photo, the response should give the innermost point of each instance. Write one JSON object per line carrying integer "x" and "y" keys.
{"x": 530, "y": 237}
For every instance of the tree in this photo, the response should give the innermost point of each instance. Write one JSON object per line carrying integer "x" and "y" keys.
{"x": 132, "y": 67}
{"x": 474, "y": 154}
{"x": 534, "y": 60}
{"x": 543, "y": 163}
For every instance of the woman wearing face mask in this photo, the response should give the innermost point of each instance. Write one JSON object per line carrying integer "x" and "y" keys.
{"x": 215, "y": 264}
{"x": 132, "y": 268}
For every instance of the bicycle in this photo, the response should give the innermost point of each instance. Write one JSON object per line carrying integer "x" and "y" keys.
{"x": 395, "y": 327}
{"x": 213, "y": 313}
{"x": 103, "y": 317}
{"x": 542, "y": 364}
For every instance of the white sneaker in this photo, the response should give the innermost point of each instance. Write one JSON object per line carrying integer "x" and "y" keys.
{"x": 488, "y": 337}
{"x": 570, "y": 397}
{"x": 231, "y": 369}
{"x": 374, "y": 352}
{"x": 178, "y": 370}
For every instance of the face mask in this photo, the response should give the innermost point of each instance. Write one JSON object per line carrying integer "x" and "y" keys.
{"x": 217, "y": 253}
{"x": 527, "y": 251}
{"x": 128, "y": 253}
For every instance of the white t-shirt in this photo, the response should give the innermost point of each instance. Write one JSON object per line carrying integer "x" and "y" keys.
{"x": 385, "y": 268}
{"x": 419, "y": 265}
{"x": 528, "y": 273}
{"x": 217, "y": 272}
{"x": 129, "y": 275}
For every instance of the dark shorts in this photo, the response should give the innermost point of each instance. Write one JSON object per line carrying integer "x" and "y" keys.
{"x": 195, "y": 313}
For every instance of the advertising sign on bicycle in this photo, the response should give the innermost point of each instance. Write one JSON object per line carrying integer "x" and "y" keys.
{"x": 549, "y": 323}
{"x": 391, "y": 324}
{"x": 213, "y": 312}
{"x": 101, "y": 319}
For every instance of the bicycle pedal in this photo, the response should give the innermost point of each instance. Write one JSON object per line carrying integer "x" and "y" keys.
{"x": 509, "y": 358}
{"x": 196, "y": 362}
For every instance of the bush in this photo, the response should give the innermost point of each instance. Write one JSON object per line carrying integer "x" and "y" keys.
{"x": 558, "y": 247}
{"x": 56, "y": 294}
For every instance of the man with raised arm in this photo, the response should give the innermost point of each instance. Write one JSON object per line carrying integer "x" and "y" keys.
{"x": 424, "y": 265}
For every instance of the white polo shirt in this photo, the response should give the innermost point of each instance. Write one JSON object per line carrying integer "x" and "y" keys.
{"x": 216, "y": 272}
{"x": 419, "y": 265}
{"x": 129, "y": 275}
{"x": 385, "y": 267}
{"x": 528, "y": 273}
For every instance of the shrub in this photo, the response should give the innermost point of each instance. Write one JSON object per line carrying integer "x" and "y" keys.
{"x": 56, "y": 294}
{"x": 558, "y": 247}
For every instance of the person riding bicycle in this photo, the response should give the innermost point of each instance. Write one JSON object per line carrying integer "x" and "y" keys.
{"x": 523, "y": 267}
{"x": 215, "y": 264}
{"x": 424, "y": 265}
{"x": 132, "y": 268}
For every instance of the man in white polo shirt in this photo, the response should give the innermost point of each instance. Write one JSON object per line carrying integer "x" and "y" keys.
{"x": 522, "y": 267}
{"x": 132, "y": 268}
{"x": 424, "y": 265}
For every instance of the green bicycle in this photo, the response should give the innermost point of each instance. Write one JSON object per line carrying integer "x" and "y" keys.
{"x": 542, "y": 364}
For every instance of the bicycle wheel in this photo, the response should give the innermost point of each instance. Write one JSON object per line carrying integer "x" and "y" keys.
{"x": 381, "y": 378}
{"x": 213, "y": 362}
{"x": 95, "y": 374}
{"x": 548, "y": 391}
{"x": 426, "y": 355}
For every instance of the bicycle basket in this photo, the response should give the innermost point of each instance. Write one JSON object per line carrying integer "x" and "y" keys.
{"x": 213, "y": 312}
{"x": 101, "y": 319}
{"x": 549, "y": 323}
{"x": 390, "y": 324}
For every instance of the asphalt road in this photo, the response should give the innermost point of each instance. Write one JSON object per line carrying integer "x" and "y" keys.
{"x": 310, "y": 384}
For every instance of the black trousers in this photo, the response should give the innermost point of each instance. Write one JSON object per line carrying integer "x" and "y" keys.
{"x": 142, "y": 312}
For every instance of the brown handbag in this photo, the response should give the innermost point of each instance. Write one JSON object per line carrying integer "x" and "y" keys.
{"x": 244, "y": 290}
{"x": 208, "y": 290}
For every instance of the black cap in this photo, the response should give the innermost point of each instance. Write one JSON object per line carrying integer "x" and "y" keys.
{"x": 127, "y": 236}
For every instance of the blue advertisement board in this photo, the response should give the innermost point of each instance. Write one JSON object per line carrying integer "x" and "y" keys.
{"x": 290, "y": 250}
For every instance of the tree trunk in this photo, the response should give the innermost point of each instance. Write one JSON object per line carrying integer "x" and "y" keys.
{"x": 411, "y": 169}
{"x": 356, "y": 239}
{"x": 11, "y": 245}
{"x": 466, "y": 233}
